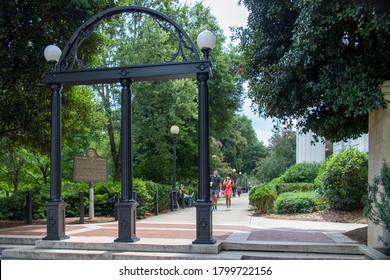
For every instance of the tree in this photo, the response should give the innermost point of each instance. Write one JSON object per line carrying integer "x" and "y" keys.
{"x": 26, "y": 28}
{"x": 240, "y": 146}
{"x": 281, "y": 156}
{"x": 158, "y": 105}
{"x": 318, "y": 62}
{"x": 254, "y": 150}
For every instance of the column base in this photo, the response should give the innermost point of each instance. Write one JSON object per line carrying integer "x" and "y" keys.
{"x": 55, "y": 220}
{"x": 204, "y": 224}
{"x": 127, "y": 218}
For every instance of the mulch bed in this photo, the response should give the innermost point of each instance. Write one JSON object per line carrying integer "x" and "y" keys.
{"x": 355, "y": 217}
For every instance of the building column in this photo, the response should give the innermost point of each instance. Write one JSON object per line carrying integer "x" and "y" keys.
{"x": 379, "y": 150}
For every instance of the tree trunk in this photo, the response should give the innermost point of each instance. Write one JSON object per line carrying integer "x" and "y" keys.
{"x": 105, "y": 96}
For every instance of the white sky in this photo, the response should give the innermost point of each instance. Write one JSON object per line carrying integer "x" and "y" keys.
{"x": 229, "y": 13}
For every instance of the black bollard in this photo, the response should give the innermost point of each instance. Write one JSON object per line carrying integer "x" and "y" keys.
{"x": 155, "y": 200}
{"x": 28, "y": 208}
{"x": 116, "y": 202}
{"x": 81, "y": 201}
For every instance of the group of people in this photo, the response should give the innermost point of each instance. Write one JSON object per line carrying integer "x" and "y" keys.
{"x": 219, "y": 188}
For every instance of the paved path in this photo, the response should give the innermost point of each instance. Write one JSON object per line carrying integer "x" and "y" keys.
{"x": 236, "y": 225}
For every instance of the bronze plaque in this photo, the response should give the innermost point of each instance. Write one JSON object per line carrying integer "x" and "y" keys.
{"x": 90, "y": 167}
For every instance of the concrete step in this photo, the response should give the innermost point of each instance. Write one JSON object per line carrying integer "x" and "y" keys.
{"x": 64, "y": 254}
{"x": 186, "y": 246}
{"x": 144, "y": 245}
{"x": 106, "y": 249}
{"x": 19, "y": 240}
{"x": 297, "y": 247}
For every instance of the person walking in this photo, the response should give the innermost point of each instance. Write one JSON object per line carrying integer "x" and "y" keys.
{"x": 228, "y": 184}
{"x": 215, "y": 188}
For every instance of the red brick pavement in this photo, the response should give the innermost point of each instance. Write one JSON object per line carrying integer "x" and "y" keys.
{"x": 173, "y": 231}
{"x": 143, "y": 230}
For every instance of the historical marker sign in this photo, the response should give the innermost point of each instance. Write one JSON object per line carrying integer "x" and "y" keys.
{"x": 90, "y": 167}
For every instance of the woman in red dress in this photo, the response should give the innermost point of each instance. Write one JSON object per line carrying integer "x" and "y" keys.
{"x": 228, "y": 183}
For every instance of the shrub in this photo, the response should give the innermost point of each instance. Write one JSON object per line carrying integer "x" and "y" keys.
{"x": 299, "y": 202}
{"x": 291, "y": 187}
{"x": 343, "y": 180}
{"x": 262, "y": 197}
{"x": 13, "y": 207}
{"x": 70, "y": 194}
{"x": 301, "y": 173}
{"x": 163, "y": 194}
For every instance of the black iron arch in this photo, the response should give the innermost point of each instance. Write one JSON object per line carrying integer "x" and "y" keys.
{"x": 63, "y": 73}
{"x": 69, "y": 55}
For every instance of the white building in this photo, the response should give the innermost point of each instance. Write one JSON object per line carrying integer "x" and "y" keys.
{"x": 360, "y": 143}
{"x": 307, "y": 151}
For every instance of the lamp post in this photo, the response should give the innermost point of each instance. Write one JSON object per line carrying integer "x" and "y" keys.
{"x": 55, "y": 208}
{"x": 204, "y": 231}
{"x": 174, "y": 132}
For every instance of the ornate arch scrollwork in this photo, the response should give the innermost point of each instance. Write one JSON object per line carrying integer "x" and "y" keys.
{"x": 185, "y": 47}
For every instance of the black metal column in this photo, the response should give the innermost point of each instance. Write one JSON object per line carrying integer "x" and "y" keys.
{"x": 55, "y": 208}
{"x": 126, "y": 208}
{"x": 174, "y": 203}
{"x": 204, "y": 225}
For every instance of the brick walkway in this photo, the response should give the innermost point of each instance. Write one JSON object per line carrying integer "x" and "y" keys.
{"x": 237, "y": 224}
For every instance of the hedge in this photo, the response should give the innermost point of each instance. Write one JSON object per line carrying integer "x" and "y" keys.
{"x": 299, "y": 202}
{"x": 14, "y": 206}
{"x": 291, "y": 187}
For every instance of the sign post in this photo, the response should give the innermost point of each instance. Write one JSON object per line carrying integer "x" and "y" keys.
{"x": 90, "y": 168}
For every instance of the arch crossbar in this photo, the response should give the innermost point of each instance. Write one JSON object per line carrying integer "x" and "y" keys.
{"x": 189, "y": 67}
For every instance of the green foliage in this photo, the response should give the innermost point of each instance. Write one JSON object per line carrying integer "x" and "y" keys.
{"x": 317, "y": 62}
{"x": 281, "y": 155}
{"x": 262, "y": 197}
{"x": 292, "y": 187}
{"x": 377, "y": 204}
{"x": 70, "y": 194}
{"x": 159, "y": 105}
{"x": 301, "y": 173}
{"x": 91, "y": 115}
{"x": 241, "y": 148}
{"x": 27, "y": 27}
{"x": 299, "y": 202}
{"x": 343, "y": 179}
{"x": 14, "y": 206}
